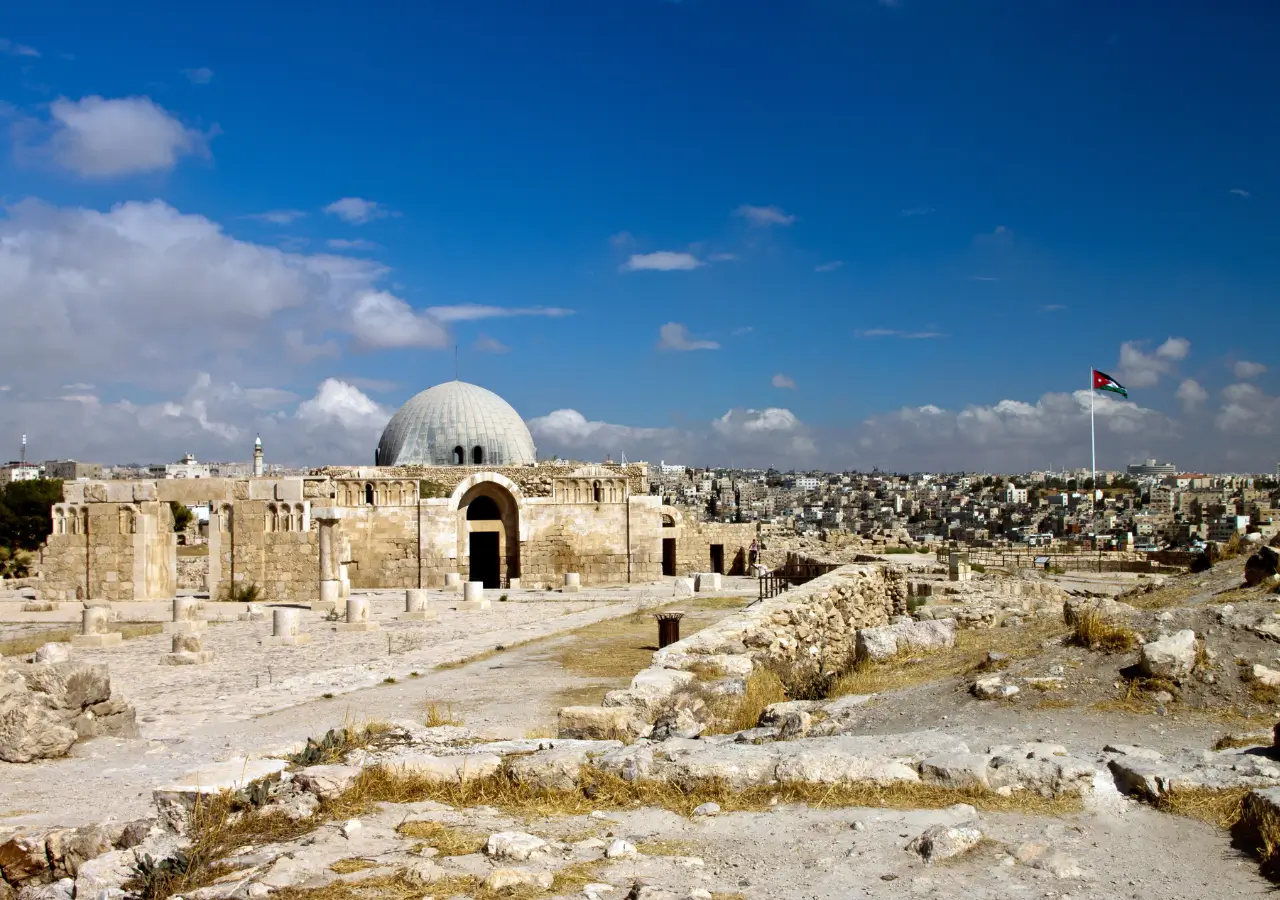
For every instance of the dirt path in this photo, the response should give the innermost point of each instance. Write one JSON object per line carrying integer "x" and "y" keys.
{"x": 507, "y": 694}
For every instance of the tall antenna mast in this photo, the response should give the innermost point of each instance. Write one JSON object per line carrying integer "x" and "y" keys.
{"x": 455, "y": 363}
{"x": 24, "y": 450}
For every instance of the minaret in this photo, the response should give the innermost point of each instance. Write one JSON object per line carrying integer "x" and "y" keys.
{"x": 257, "y": 457}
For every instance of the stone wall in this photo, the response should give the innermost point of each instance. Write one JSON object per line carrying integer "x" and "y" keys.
{"x": 384, "y": 545}
{"x": 533, "y": 481}
{"x": 193, "y": 572}
{"x": 114, "y": 549}
{"x": 694, "y": 541}
{"x": 817, "y": 620}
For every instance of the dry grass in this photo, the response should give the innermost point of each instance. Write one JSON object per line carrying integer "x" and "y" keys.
{"x": 1240, "y": 741}
{"x": 440, "y": 713}
{"x": 583, "y": 695}
{"x": 483, "y": 655}
{"x": 1260, "y": 830}
{"x": 1222, "y": 809}
{"x": 667, "y": 848}
{"x": 217, "y": 828}
{"x": 742, "y": 711}
{"x": 448, "y": 840}
{"x": 968, "y": 655}
{"x": 601, "y": 791}
{"x": 1266, "y": 694}
{"x": 403, "y": 886}
{"x": 1094, "y": 631}
{"x": 24, "y": 646}
{"x": 1054, "y": 703}
{"x": 352, "y": 864}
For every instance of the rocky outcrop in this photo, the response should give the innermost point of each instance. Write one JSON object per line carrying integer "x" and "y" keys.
{"x": 890, "y": 641}
{"x": 1261, "y": 566}
{"x": 1172, "y": 656}
{"x": 46, "y": 707}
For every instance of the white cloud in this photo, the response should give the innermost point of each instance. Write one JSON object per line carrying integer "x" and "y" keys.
{"x": 382, "y": 320}
{"x": 99, "y": 138}
{"x": 1245, "y": 370}
{"x": 486, "y": 344}
{"x": 468, "y": 312}
{"x": 622, "y": 240}
{"x": 277, "y": 216}
{"x": 344, "y": 244}
{"x": 1191, "y": 395}
{"x": 660, "y": 261}
{"x": 1138, "y": 368}
{"x": 1240, "y": 192}
{"x": 357, "y": 210}
{"x": 740, "y": 436}
{"x": 785, "y": 382}
{"x": 11, "y": 48}
{"x": 145, "y": 294}
{"x": 1012, "y": 435}
{"x": 215, "y": 420}
{"x": 905, "y": 335}
{"x": 202, "y": 75}
{"x": 343, "y": 405}
{"x": 764, "y": 216}
{"x": 1248, "y": 410}
{"x": 829, "y": 266}
{"x": 675, "y": 336}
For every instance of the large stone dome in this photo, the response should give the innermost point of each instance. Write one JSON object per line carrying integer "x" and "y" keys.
{"x": 456, "y": 424}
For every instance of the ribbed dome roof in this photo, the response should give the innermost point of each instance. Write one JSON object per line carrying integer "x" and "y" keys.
{"x": 434, "y": 425}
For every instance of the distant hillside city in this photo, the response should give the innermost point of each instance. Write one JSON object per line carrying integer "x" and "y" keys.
{"x": 1150, "y": 506}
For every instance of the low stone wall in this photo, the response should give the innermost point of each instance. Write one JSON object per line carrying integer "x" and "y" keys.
{"x": 819, "y": 619}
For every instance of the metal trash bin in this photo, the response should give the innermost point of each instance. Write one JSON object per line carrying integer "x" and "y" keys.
{"x": 668, "y": 627}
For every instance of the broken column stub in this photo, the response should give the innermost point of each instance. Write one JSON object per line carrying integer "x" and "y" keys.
{"x": 93, "y": 629}
{"x": 286, "y": 628}
{"x": 473, "y": 597}
{"x": 186, "y": 617}
{"x": 415, "y": 606}
{"x": 452, "y": 582}
{"x": 572, "y": 582}
{"x": 188, "y": 650}
{"x": 358, "y": 616}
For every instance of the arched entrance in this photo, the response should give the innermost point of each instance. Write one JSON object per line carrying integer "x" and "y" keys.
{"x": 489, "y": 532}
{"x": 668, "y": 545}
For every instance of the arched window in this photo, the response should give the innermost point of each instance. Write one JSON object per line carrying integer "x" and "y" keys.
{"x": 459, "y": 456}
{"x": 482, "y": 509}
{"x": 272, "y": 520}
{"x": 595, "y": 491}
{"x": 368, "y": 494}
{"x": 477, "y": 455}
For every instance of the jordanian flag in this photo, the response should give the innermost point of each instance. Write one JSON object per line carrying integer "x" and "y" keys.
{"x": 1104, "y": 382}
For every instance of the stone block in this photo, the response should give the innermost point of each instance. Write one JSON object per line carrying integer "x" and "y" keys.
{"x": 214, "y": 778}
{"x": 288, "y": 640}
{"x": 600, "y": 723}
{"x": 353, "y": 627}
{"x": 513, "y": 584}
{"x": 448, "y": 768}
{"x": 472, "y": 605}
{"x": 187, "y": 658}
{"x": 684, "y": 587}
{"x": 708, "y": 581}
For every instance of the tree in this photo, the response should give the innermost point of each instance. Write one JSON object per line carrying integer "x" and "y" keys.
{"x": 181, "y": 516}
{"x": 26, "y": 517}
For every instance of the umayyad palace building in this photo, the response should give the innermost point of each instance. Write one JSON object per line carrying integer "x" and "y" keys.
{"x": 455, "y": 488}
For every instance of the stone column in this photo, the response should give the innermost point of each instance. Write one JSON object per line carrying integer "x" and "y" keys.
{"x": 473, "y": 596}
{"x": 452, "y": 582}
{"x": 358, "y": 616}
{"x": 186, "y": 617}
{"x": 188, "y": 650}
{"x": 572, "y": 582}
{"x": 286, "y": 628}
{"x": 330, "y": 549}
{"x": 415, "y": 606}
{"x": 93, "y": 629}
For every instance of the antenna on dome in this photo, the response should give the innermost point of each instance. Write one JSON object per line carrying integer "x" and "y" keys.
{"x": 455, "y": 363}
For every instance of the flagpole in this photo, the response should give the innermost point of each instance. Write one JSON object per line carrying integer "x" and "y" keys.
{"x": 1093, "y": 461}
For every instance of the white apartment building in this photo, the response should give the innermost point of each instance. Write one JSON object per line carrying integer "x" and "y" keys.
{"x": 19, "y": 472}
{"x": 1222, "y": 529}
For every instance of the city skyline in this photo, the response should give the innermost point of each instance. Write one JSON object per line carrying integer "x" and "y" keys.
{"x": 832, "y": 235}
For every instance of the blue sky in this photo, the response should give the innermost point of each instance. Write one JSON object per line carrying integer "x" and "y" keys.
{"x": 930, "y": 217}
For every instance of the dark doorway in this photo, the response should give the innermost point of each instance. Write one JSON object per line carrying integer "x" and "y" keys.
{"x": 717, "y": 558}
{"x": 477, "y": 455}
{"x": 668, "y": 556}
{"x": 482, "y": 509}
{"x": 484, "y": 559}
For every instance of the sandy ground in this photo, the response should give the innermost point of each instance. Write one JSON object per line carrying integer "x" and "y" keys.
{"x": 254, "y": 700}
